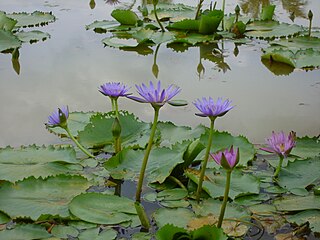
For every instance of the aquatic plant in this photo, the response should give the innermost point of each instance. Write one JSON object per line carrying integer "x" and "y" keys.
{"x": 59, "y": 119}
{"x": 211, "y": 109}
{"x": 157, "y": 97}
{"x": 227, "y": 159}
{"x": 281, "y": 144}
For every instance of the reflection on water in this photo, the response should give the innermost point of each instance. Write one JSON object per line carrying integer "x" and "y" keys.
{"x": 253, "y": 7}
{"x": 68, "y": 68}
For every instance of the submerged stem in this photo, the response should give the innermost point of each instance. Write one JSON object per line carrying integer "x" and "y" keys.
{"x": 225, "y": 199}
{"x": 77, "y": 143}
{"x": 205, "y": 161}
{"x": 157, "y": 18}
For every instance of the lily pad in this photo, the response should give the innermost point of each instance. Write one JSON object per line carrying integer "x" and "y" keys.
{"x": 120, "y": 42}
{"x": 98, "y": 132}
{"x": 214, "y": 184}
{"x": 64, "y": 231}
{"x": 127, "y": 163}
{"x": 272, "y": 29}
{"x": 177, "y": 216}
{"x": 35, "y": 197}
{"x": 6, "y": 23}
{"x": 145, "y": 35}
{"x": 17, "y": 164}
{"x": 307, "y": 147}
{"x": 125, "y": 17}
{"x": 103, "y": 209}
{"x": 25, "y": 232}
{"x": 97, "y": 234}
{"x": 4, "y": 218}
{"x": 32, "y": 19}
{"x": 8, "y": 40}
{"x": 300, "y": 42}
{"x": 311, "y": 216}
{"x": 104, "y": 25}
{"x": 223, "y": 140}
{"x": 297, "y": 203}
{"x": 294, "y": 175}
{"x": 32, "y": 36}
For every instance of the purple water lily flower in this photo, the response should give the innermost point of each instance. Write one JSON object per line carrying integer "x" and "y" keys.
{"x": 209, "y": 108}
{"x": 280, "y": 143}
{"x": 114, "y": 90}
{"x": 59, "y": 117}
{"x": 228, "y": 159}
{"x": 155, "y": 95}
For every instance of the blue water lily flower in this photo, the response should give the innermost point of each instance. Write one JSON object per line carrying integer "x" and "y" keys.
{"x": 114, "y": 89}
{"x": 209, "y": 108}
{"x": 59, "y": 117}
{"x": 155, "y": 95}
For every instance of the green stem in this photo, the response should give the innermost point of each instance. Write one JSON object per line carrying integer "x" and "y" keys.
{"x": 113, "y": 104}
{"x": 223, "y": 8}
{"x": 116, "y": 109}
{"x": 177, "y": 181}
{"x": 158, "y": 20}
{"x": 225, "y": 199}
{"x": 146, "y": 156}
{"x": 310, "y": 27}
{"x": 205, "y": 161}
{"x": 278, "y": 167}
{"x": 78, "y": 144}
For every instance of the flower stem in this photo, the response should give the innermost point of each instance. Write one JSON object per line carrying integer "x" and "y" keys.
{"x": 146, "y": 156}
{"x": 205, "y": 161}
{"x": 157, "y": 18}
{"x": 198, "y": 9}
{"x": 278, "y": 167}
{"x": 77, "y": 143}
{"x": 225, "y": 199}
{"x": 178, "y": 182}
{"x": 223, "y": 9}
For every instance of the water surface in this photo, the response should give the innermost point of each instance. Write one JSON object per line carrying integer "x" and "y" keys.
{"x": 68, "y": 68}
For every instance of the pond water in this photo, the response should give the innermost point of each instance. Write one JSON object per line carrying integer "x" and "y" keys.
{"x": 68, "y": 68}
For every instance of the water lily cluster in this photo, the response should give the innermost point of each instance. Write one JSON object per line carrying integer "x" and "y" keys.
{"x": 157, "y": 97}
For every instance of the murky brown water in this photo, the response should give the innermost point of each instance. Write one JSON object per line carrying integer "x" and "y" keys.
{"x": 68, "y": 68}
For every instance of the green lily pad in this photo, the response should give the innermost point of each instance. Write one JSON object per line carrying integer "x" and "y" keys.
{"x": 307, "y": 147}
{"x": 311, "y": 216}
{"x": 32, "y": 19}
{"x": 104, "y": 25}
{"x": 209, "y": 21}
{"x": 174, "y": 12}
{"x": 299, "y": 174}
{"x": 6, "y": 23}
{"x": 127, "y": 163}
{"x": 223, "y": 140}
{"x": 4, "y": 218}
{"x": 192, "y": 38}
{"x": 103, "y": 209}
{"x": 145, "y": 35}
{"x": 61, "y": 231}
{"x": 214, "y": 184}
{"x": 25, "y": 232}
{"x": 35, "y": 197}
{"x": 141, "y": 236}
{"x": 120, "y": 42}
{"x": 300, "y": 42}
{"x": 297, "y": 203}
{"x": 272, "y": 29}
{"x": 97, "y": 234}
{"x": 212, "y": 207}
{"x": 8, "y": 40}
{"x": 32, "y": 36}
{"x": 125, "y": 17}
{"x": 185, "y": 25}
{"x": 98, "y": 132}
{"x": 17, "y": 164}
{"x": 179, "y": 217}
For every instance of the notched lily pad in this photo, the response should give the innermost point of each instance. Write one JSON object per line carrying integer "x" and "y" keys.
{"x": 6, "y": 23}
{"x": 8, "y": 41}
{"x": 32, "y": 36}
{"x": 120, "y": 42}
{"x": 25, "y": 232}
{"x": 36, "y": 18}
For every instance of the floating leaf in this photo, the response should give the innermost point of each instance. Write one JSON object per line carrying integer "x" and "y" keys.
{"x": 311, "y": 216}
{"x": 32, "y": 19}
{"x": 223, "y": 140}
{"x": 103, "y": 209}
{"x": 25, "y": 232}
{"x": 214, "y": 184}
{"x": 8, "y": 41}
{"x": 17, "y": 164}
{"x": 6, "y": 23}
{"x": 141, "y": 236}
{"x": 297, "y": 43}
{"x": 4, "y": 218}
{"x": 98, "y": 132}
{"x": 104, "y": 25}
{"x": 35, "y": 197}
{"x": 127, "y": 163}
{"x": 32, "y": 36}
{"x": 179, "y": 217}
{"x": 125, "y": 17}
{"x": 186, "y": 25}
{"x": 297, "y": 203}
{"x": 120, "y": 42}
{"x": 61, "y": 231}
{"x": 193, "y": 38}
{"x": 272, "y": 29}
{"x": 97, "y": 234}
{"x": 144, "y": 35}
{"x": 307, "y": 147}
{"x": 300, "y": 173}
